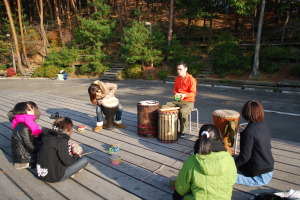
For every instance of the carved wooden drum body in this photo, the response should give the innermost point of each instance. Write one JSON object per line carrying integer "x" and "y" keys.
{"x": 147, "y": 118}
{"x": 168, "y": 126}
{"x": 110, "y": 108}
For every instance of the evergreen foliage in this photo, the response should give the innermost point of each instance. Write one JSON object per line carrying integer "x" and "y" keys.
{"x": 97, "y": 28}
{"x": 228, "y": 56}
{"x": 140, "y": 47}
{"x": 94, "y": 64}
{"x": 270, "y": 58}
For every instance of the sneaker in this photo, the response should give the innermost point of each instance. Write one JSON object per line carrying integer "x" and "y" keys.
{"x": 98, "y": 128}
{"x": 21, "y": 165}
{"x": 120, "y": 125}
{"x": 182, "y": 135}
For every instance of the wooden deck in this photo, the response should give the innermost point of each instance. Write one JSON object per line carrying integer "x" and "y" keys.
{"x": 137, "y": 177}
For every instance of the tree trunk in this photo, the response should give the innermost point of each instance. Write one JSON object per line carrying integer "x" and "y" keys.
{"x": 22, "y": 34}
{"x": 43, "y": 32}
{"x": 236, "y": 26}
{"x": 68, "y": 15}
{"x": 285, "y": 23}
{"x": 58, "y": 20}
{"x": 171, "y": 20}
{"x": 51, "y": 10}
{"x": 95, "y": 8}
{"x": 125, "y": 10}
{"x": 75, "y": 11}
{"x": 14, "y": 36}
{"x": 255, "y": 72}
{"x": 120, "y": 21}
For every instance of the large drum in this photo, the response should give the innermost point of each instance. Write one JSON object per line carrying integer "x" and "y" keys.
{"x": 227, "y": 122}
{"x": 168, "y": 125}
{"x": 109, "y": 108}
{"x": 147, "y": 118}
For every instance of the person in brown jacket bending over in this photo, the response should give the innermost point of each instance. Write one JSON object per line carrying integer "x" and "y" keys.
{"x": 98, "y": 91}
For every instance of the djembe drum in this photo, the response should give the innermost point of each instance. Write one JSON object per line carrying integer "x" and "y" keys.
{"x": 147, "y": 118}
{"x": 168, "y": 125}
{"x": 109, "y": 108}
{"x": 227, "y": 122}
{"x": 77, "y": 150}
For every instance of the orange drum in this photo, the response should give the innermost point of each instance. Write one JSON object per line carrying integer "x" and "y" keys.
{"x": 168, "y": 125}
{"x": 227, "y": 122}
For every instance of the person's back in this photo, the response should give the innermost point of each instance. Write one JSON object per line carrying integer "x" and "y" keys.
{"x": 212, "y": 176}
{"x": 54, "y": 149}
{"x": 56, "y": 162}
{"x": 209, "y": 174}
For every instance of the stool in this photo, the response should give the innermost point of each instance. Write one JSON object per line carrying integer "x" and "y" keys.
{"x": 190, "y": 118}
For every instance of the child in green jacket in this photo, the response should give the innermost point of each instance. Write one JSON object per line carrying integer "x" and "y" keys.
{"x": 209, "y": 174}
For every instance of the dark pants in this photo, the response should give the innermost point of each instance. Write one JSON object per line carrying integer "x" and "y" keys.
{"x": 177, "y": 196}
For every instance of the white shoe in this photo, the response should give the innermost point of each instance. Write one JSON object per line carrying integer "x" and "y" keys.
{"x": 21, "y": 165}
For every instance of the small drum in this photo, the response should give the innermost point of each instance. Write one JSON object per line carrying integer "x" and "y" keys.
{"x": 168, "y": 125}
{"x": 109, "y": 108}
{"x": 222, "y": 120}
{"x": 77, "y": 150}
{"x": 147, "y": 118}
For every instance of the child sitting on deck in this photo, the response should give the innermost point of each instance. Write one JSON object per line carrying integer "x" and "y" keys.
{"x": 209, "y": 174}
{"x": 25, "y": 134}
{"x": 55, "y": 159}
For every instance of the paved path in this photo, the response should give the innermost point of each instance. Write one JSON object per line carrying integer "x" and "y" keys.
{"x": 282, "y": 110}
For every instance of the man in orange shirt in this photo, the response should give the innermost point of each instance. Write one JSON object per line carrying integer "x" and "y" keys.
{"x": 185, "y": 93}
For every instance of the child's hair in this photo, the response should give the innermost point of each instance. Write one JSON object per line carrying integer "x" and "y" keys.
{"x": 253, "y": 111}
{"x": 207, "y": 134}
{"x": 63, "y": 124}
{"x": 92, "y": 92}
{"x": 21, "y": 108}
{"x": 269, "y": 196}
{"x": 35, "y": 108}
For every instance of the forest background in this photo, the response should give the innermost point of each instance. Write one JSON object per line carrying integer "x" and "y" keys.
{"x": 239, "y": 39}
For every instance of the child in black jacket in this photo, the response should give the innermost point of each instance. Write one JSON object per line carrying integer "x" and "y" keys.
{"x": 55, "y": 159}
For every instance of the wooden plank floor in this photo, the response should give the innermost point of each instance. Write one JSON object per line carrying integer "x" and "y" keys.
{"x": 134, "y": 177}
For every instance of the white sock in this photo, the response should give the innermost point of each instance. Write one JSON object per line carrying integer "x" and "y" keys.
{"x": 118, "y": 122}
{"x": 99, "y": 123}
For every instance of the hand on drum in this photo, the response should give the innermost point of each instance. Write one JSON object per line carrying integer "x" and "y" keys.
{"x": 76, "y": 149}
{"x": 99, "y": 102}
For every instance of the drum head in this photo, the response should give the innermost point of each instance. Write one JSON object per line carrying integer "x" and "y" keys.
{"x": 226, "y": 113}
{"x": 148, "y": 102}
{"x": 110, "y": 102}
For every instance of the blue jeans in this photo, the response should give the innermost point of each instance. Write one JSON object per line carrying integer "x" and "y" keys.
{"x": 100, "y": 114}
{"x": 72, "y": 169}
{"x": 263, "y": 179}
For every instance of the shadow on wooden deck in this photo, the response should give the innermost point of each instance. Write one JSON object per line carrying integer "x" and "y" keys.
{"x": 134, "y": 178}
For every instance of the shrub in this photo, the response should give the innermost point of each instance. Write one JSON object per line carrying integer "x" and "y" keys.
{"x": 62, "y": 58}
{"x": 39, "y": 72}
{"x": 163, "y": 74}
{"x": 296, "y": 70}
{"x": 94, "y": 63}
{"x": 134, "y": 72}
{"x": 271, "y": 57}
{"x": 51, "y": 71}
